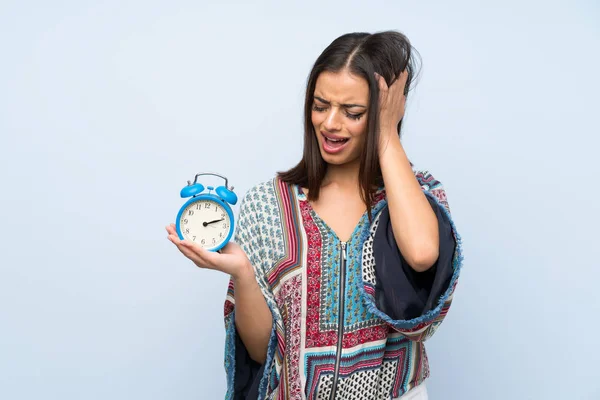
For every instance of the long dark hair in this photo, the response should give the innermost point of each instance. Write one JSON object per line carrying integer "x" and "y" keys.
{"x": 387, "y": 53}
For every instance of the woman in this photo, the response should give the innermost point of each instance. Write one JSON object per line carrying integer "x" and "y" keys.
{"x": 344, "y": 265}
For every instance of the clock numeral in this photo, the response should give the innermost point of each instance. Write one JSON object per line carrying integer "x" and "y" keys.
{"x": 214, "y": 241}
{"x": 207, "y": 205}
{"x": 194, "y": 238}
{"x": 187, "y": 230}
{"x": 221, "y": 235}
{"x": 185, "y": 221}
{"x": 203, "y": 241}
{"x": 190, "y": 212}
{"x": 225, "y": 225}
{"x": 198, "y": 206}
{"x": 222, "y": 215}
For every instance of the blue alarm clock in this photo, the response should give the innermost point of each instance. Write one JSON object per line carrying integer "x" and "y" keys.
{"x": 206, "y": 218}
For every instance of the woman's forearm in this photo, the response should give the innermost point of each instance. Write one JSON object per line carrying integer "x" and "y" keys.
{"x": 413, "y": 221}
{"x": 253, "y": 318}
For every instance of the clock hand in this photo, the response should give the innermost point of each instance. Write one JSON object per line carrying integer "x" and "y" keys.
{"x": 212, "y": 222}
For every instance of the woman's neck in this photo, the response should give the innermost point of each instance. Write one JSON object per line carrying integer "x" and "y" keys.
{"x": 343, "y": 176}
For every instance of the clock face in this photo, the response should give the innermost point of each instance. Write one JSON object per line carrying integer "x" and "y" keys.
{"x": 205, "y": 222}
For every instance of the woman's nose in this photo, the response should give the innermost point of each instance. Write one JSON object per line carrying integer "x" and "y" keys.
{"x": 332, "y": 121}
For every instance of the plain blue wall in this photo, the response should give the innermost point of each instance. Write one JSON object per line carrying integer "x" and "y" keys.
{"x": 107, "y": 108}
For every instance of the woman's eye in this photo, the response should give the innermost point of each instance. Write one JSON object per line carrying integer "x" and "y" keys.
{"x": 318, "y": 108}
{"x": 354, "y": 116}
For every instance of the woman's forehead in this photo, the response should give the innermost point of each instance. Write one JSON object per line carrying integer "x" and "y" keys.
{"x": 342, "y": 88}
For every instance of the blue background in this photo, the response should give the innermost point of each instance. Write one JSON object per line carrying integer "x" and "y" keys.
{"x": 108, "y": 108}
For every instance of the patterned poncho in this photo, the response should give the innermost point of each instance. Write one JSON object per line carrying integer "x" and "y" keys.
{"x": 349, "y": 318}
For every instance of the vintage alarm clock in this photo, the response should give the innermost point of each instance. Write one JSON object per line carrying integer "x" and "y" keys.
{"x": 206, "y": 218}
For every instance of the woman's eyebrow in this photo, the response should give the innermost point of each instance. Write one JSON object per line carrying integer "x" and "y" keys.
{"x": 345, "y": 105}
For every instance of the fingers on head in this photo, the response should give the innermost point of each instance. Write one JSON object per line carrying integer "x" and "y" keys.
{"x": 381, "y": 82}
{"x": 403, "y": 78}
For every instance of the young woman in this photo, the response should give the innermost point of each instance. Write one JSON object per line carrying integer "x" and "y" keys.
{"x": 344, "y": 265}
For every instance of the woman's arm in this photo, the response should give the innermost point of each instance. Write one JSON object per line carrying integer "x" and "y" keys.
{"x": 253, "y": 318}
{"x": 414, "y": 223}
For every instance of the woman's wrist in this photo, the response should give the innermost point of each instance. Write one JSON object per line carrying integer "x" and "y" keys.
{"x": 244, "y": 274}
{"x": 389, "y": 138}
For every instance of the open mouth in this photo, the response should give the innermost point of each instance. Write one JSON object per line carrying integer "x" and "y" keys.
{"x": 333, "y": 144}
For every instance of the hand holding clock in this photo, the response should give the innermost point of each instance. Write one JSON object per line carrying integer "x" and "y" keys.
{"x": 209, "y": 248}
{"x": 231, "y": 259}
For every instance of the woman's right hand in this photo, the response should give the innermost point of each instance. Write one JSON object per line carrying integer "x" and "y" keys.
{"x": 231, "y": 259}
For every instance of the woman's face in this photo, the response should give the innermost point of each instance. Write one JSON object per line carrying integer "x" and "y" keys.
{"x": 339, "y": 116}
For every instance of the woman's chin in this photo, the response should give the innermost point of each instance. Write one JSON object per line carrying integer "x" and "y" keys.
{"x": 337, "y": 159}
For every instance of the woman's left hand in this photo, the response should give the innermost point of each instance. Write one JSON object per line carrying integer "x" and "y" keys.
{"x": 391, "y": 107}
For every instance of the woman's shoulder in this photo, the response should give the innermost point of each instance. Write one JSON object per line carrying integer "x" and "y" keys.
{"x": 260, "y": 187}
{"x": 266, "y": 195}
{"x": 431, "y": 184}
{"x": 263, "y": 211}
{"x": 426, "y": 179}
{"x": 270, "y": 188}
{"x": 265, "y": 188}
